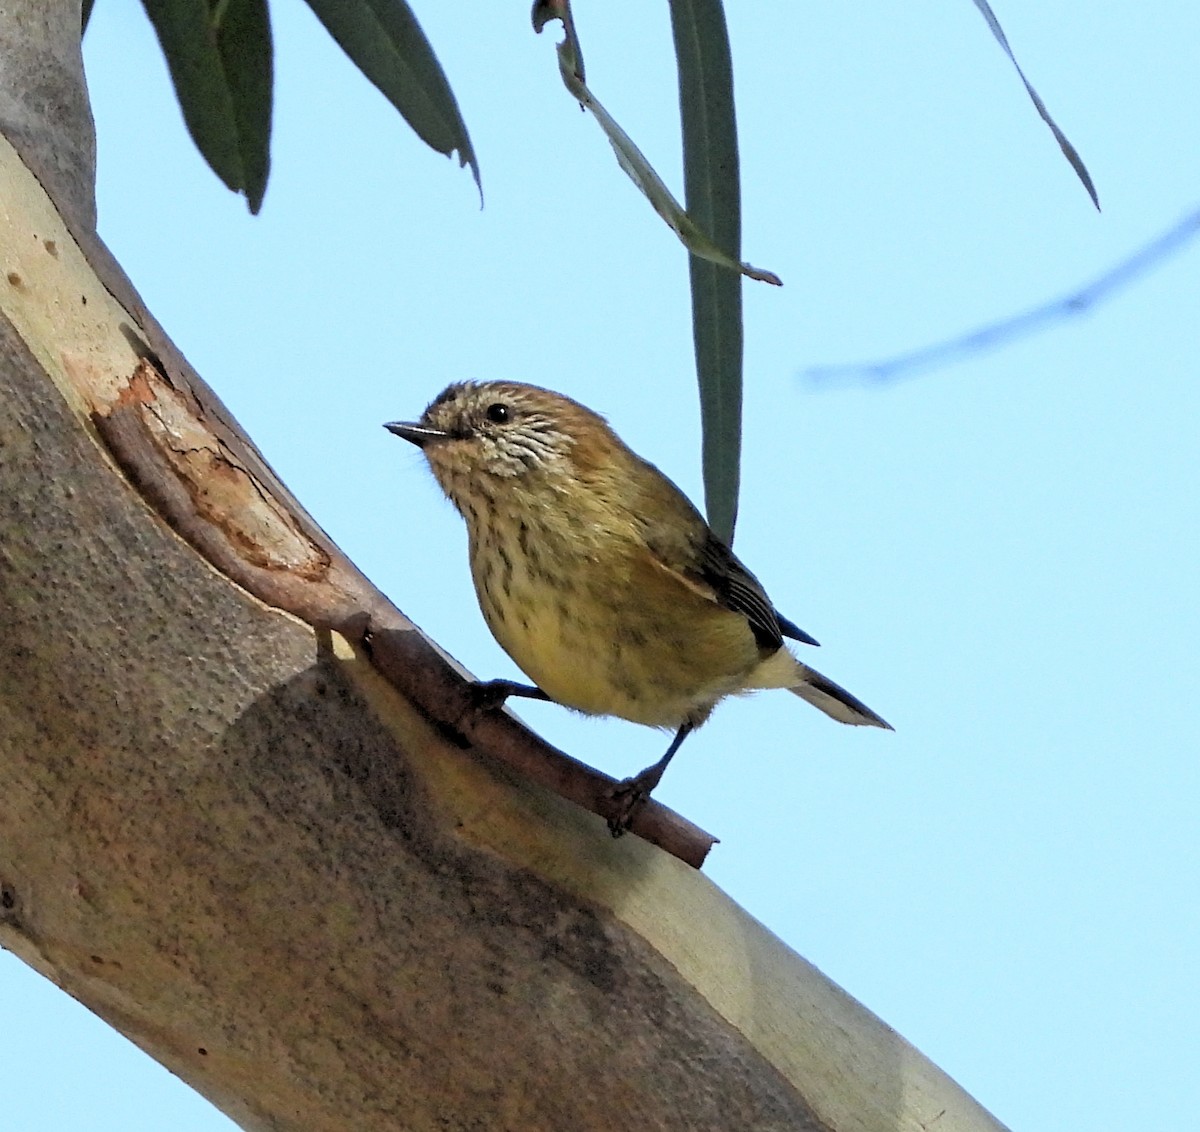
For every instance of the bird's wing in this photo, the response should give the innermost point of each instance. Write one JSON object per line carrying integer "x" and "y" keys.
{"x": 682, "y": 543}
{"x": 791, "y": 629}
{"x": 716, "y": 573}
{"x": 739, "y": 590}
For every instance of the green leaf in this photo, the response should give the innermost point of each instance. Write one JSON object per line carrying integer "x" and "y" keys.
{"x": 244, "y": 40}
{"x": 1069, "y": 151}
{"x": 219, "y": 56}
{"x": 710, "y": 159}
{"x": 710, "y": 228}
{"x": 385, "y": 42}
{"x": 629, "y": 157}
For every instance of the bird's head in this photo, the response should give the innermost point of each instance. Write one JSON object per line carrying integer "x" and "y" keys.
{"x": 474, "y": 432}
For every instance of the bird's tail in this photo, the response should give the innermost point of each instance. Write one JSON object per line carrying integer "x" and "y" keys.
{"x": 834, "y": 701}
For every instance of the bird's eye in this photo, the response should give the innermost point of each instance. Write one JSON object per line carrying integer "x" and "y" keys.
{"x": 498, "y": 413}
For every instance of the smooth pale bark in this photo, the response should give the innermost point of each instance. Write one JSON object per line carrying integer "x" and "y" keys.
{"x": 44, "y": 110}
{"x": 225, "y": 832}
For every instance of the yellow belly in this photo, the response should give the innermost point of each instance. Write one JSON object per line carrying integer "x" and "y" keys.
{"x": 632, "y": 641}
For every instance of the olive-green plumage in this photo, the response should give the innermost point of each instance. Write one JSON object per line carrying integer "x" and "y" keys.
{"x": 594, "y": 571}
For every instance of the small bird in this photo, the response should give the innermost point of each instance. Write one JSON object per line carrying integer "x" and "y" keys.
{"x": 597, "y": 575}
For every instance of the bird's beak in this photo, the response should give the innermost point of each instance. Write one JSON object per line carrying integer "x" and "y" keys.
{"x": 418, "y": 434}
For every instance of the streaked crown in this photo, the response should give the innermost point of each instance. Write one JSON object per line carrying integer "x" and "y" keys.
{"x": 504, "y": 428}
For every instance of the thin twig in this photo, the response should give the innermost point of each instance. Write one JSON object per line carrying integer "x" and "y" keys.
{"x": 1000, "y": 333}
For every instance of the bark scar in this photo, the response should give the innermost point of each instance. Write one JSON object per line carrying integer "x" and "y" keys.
{"x": 191, "y": 477}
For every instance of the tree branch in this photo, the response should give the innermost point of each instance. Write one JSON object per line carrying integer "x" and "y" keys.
{"x": 1004, "y": 331}
{"x": 228, "y": 834}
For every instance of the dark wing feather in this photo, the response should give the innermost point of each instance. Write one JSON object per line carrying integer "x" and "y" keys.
{"x": 680, "y": 541}
{"x": 739, "y": 590}
{"x": 791, "y": 629}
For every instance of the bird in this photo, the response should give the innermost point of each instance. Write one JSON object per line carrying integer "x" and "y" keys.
{"x": 598, "y": 576}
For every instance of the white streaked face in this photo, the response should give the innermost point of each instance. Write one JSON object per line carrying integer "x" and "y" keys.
{"x": 494, "y": 428}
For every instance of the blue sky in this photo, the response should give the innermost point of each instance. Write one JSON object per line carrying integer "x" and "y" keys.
{"x": 999, "y": 557}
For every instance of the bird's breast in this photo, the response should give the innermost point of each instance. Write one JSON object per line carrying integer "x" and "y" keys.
{"x": 600, "y": 626}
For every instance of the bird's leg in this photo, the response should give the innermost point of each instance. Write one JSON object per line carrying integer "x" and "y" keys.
{"x": 632, "y": 794}
{"x": 487, "y": 695}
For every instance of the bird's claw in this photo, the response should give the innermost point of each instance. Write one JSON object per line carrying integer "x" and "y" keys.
{"x": 628, "y": 798}
{"x": 488, "y": 695}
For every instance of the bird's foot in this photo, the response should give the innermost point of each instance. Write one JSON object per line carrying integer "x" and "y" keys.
{"x": 628, "y": 798}
{"x": 632, "y": 795}
{"x": 489, "y": 695}
{"x": 486, "y": 696}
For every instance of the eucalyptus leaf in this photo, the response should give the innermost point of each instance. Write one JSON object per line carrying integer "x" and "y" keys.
{"x": 711, "y": 177}
{"x": 1069, "y": 151}
{"x": 385, "y": 42}
{"x": 631, "y": 159}
{"x": 220, "y": 60}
